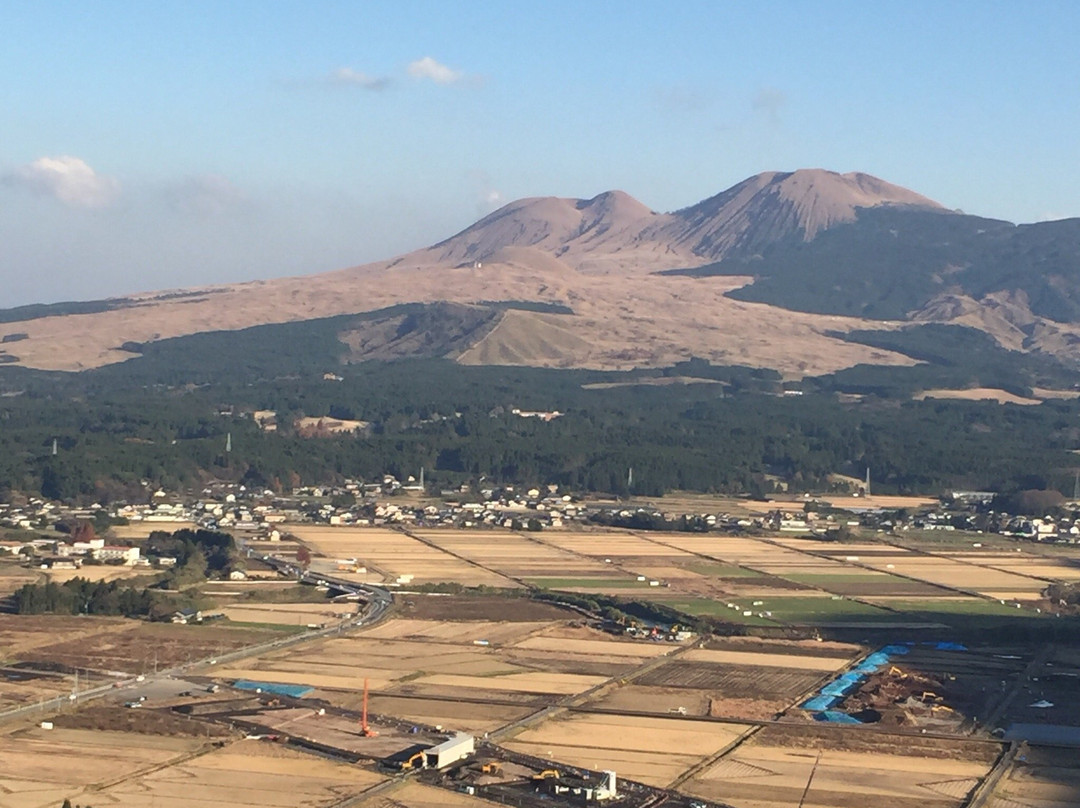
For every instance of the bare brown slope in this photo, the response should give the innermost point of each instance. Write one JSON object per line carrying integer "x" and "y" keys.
{"x": 775, "y": 205}
{"x": 614, "y": 233}
{"x": 594, "y": 256}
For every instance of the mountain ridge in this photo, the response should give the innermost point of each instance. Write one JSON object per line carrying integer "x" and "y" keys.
{"x": 771, "y": 272}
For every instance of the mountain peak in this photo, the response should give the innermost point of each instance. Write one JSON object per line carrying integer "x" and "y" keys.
{"x": 776, "y": 204}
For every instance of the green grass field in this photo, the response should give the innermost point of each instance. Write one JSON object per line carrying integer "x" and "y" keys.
{"x": 703, "y": 607}
{"x": 958, "y": 606}
{"x": 812, "y": 610}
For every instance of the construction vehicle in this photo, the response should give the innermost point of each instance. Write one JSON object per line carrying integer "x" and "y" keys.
{"x": 366, "y": 730}
{"x": 491, "y": 768}
{"x": 414, "y": 762}
{"x": 547, "y": 774}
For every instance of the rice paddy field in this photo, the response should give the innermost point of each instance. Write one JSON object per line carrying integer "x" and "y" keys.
{"x": 750, "y": 580}
{"x": 42, "y": 768}
{"x": 652, "y": 750}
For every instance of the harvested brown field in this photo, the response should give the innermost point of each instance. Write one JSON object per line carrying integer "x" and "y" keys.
{"x": 978, "y": 394}
{"x": 652, "y": 750}
{"x": 464, "y": 633}
{"x": 418, "y": 795}
{"x": 131, "y": 646}
{"x": 760, "y": 775}
{"x": 289, "y": 614}
{"x": 389, "y": 554}
{"x": 141, "y": 530}
{"x": 514, "y": 555}
{"x": 1045, "y": 778}
{"x": 439, "y": 607}
{"x": 821, "y": 664}
{"x": 41, "y": 768}
{"x": 100, "y": 717}
{"x": 447, "y": 659}
{"x": 475, "y": 717}
{"x": 241, "y": 775}
{"x": 727, "y": 680}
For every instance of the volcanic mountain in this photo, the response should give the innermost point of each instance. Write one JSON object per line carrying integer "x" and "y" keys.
{"x": 777, "y": 271}
{"x": 615, "y": 232}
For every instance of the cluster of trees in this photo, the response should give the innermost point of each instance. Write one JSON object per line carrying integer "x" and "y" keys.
{"x": 199, "y": 554}
{"x": 80, "y": 596}
{"x": 648, "y": 520}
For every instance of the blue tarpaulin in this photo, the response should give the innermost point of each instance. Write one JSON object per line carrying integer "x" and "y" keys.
{"x": 950, "y": 646}
{"x": 294, "y": 691}
{"x": 834, "y": 692}
{"x": 819, "y": 703}
{"x": 836, "y": 717}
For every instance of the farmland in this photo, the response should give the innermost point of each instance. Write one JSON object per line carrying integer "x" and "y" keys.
{"x": 652, "y": 750}
{"x": 721, "y": 718}
{"x": 781, "y": 767}
{"x": 42, "y": 768}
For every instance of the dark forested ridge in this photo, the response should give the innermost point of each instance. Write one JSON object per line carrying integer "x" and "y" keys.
{"x": 892, "y": 260}
{"x": 162, "y": 418}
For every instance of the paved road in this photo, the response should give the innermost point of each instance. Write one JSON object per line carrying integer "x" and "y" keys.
{"x": 170, "y": 681}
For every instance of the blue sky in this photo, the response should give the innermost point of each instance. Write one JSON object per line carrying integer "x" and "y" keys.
{"x": 156, "y": 145}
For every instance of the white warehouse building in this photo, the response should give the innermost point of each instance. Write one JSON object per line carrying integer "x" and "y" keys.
{"x": 456, "y": 748}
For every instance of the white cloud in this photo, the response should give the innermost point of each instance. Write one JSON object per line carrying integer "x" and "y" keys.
{"x": 428, "y": 68}
{"x": 68, "y": 179}
{"x": 346, "y": 76}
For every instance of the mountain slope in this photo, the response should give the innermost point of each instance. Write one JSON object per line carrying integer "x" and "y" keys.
{"x": 778, "y": 207}
{"x": 769, "y": 273}
{"x": 614, "y": 232}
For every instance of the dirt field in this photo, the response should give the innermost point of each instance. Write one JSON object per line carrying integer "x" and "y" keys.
{"x": 142, "y": 530}
{"x": 474, "y": 717}
{"x": 241, "y": 775}
{"x": 117, "y": 644}
{"x": 978, "y": 394}
{"x": 289, "y": 614}
{"x": 652, "y": 750}
{"x": 773, "y": 660}
{"x": 759, "y": 775}
{"x": 394, "y": 554}
{"x": 39, "y": 768}
{"x": 417, "y": 795}
{"x": 514, "y": 555}
{"x": 13, "y": 576}
{"x": 1045, "y": 778}
{"x": 441, "y": 659}
{"x": 438, "y": 607}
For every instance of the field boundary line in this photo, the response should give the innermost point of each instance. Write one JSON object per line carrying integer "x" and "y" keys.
{"x": 432, "y": 544}
{"x": 204, "y": 749}
{"x": 985, "y": 790}
{"x": 709, "y": 760}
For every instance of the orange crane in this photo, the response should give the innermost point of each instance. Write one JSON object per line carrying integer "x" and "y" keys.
{"x": 365, "y": 730}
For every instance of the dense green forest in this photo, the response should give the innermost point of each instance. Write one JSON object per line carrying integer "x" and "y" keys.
{"x": 162, "y": 419}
